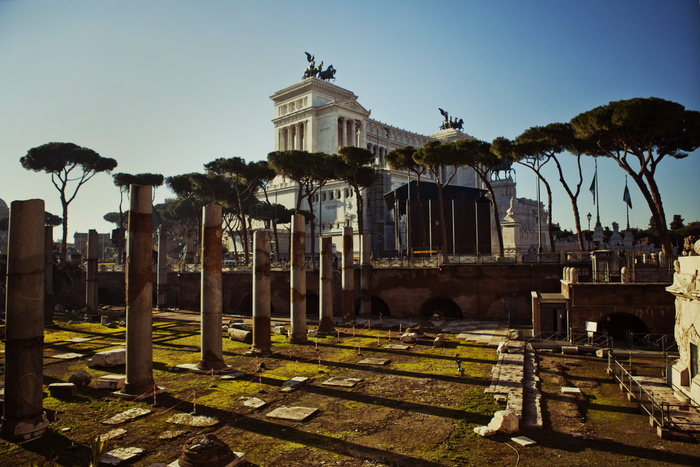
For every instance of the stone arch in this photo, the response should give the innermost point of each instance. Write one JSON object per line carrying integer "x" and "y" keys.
{"x": 616, "y": 325}
{"x": 510, "y": 308}
{"x": 379, "y": 307}
{"x": 442, "y": 306}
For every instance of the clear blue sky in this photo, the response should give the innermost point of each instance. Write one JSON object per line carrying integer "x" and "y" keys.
{"x": 166, "y": 86}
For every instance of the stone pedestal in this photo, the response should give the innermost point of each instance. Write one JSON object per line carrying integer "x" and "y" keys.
{"x": 139, "y": 293}
{"x": 23, "y": 414}
{"x": 262, "y": 342}
{"x": 211, "y": 290}
{"x": 325, "y": 325}
{"x": 298, "y": 282}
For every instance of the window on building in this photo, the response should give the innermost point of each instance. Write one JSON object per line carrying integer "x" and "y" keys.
{"x": 694, "y": 359}
{"x": 330, "y": 193}
{"x": 323, "y": 197}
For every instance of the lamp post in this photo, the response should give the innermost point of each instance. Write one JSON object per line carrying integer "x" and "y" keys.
{"x": 589, "y": 216}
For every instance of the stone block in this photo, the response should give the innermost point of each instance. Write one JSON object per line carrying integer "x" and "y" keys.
{"x": 484, "y": 431}
{"x": 113, "y": 382}
{"x": 297, "y": 414}
{"x": 240, "y": 335}
{"x": 569, "y": 349}
{"x": 81, "y": 378}
{"x": 409, "y": 337}
{"x": 108, "y": 358}
{"x": 439, "y": 340}
{"x": 63, "y": 390}
{"x": 504, "y": 421}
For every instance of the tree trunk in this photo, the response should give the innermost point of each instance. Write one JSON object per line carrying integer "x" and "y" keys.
{"x": 496, "y": 214}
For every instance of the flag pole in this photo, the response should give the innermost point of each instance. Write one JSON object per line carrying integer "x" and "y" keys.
{"x": 627, "y": 204}
{"x": 597, "y": 194}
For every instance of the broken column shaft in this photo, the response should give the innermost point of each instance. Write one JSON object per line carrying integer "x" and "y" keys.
{"x": 211, "y": 290}
{"x": 91, "y": 273}
{"x": 139, "y": 289}
{"x": 162, "y": 276}
{"x": 365, "y": 278}
{"x": 262, "y": 342}
{"x": 298, "y": 282}
{"x": 325, "y": 323}
{"x": 348, "y": 277}
{"x": 23, "y": 414}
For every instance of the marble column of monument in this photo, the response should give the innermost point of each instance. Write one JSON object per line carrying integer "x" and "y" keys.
{"x": 365, "y": 278}
{"x": 325, "y": 323}
{"x": 262, "y": 343}
{"x": 297, "y": 297}
{"x": 23, "y": 415}
{"x": 211, "y": 290}
{"x": 348, "y": 277}
{"x": 91, "y": 274}
{"x": 162, "y": 276}
{"x": 48, "y": 277}
{"x": 139, "y": 293}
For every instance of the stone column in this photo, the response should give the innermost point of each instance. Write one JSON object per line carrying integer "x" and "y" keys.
{"x": 343, "y": 132}
{"x": 325, "y": 325}
{"x": 211, "y": 304}
{"x": 348, "y": 277}
{"x": 290, "y": 137}
{"x": 297, "y": 297}
{"x": 352, "y": 140}
{"x": 262, "y": 343}
{"x": 48, "y": 276}
{"x": 365, "y": 279}
{"x": 91, "y": 274}
{"x": 23, "y": 415}
{"x": 139, "y": 297}
{"x": 162, "y": 276}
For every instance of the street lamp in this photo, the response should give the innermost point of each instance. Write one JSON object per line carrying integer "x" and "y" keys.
{"x": 589, "y": 216}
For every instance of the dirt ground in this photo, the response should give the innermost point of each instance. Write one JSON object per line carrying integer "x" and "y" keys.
{"x": 414, "y": 411}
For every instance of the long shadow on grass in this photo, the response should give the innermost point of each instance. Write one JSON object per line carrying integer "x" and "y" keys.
{"x": 563, "y": 441}
{"x": 288, "y": 433}
{"x": 377, "y": 400}
{"x": 407, "y": 353}
{"x": 409, "y": 374}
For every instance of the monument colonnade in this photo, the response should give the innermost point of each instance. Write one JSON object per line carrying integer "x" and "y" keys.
{"x": 298, "y": 136}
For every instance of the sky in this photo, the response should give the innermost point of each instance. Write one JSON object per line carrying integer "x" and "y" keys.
{"x": 165, "y": 86}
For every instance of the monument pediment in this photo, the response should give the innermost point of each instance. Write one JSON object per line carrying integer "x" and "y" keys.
{"x": 353, "y": 105}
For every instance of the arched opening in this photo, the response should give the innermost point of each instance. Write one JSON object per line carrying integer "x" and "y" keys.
{"x": 443, "y": 307}
{"x": 379, "y": 307}
{"x": 617, "y": 325}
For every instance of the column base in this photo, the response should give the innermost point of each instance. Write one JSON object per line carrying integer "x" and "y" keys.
{"x": 26, "y": 429}
{"x": 326, "y": 326}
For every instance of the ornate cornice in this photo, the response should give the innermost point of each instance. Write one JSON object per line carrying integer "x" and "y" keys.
{"x": 313, "y": 84}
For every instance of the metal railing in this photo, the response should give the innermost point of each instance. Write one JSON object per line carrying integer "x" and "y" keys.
{"x": 658, "y": 342}
{"x": 574, "y": 338}
{"x": 662, "y": 413}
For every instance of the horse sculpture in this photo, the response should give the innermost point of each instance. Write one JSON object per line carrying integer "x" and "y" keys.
{"x": 505, "y": 166}
{"x": 327, "y": 74}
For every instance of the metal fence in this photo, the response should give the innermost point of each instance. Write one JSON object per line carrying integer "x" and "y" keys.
{"x": 657, "y": 342}
{"x": 661, "y": 413}
{"x": 577, "y": 338}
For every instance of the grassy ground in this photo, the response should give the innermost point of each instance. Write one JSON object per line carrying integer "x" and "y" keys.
{"x": 415, "y": 411}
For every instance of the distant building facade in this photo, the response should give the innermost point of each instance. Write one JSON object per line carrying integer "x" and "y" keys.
{"x": 318, "y": 116}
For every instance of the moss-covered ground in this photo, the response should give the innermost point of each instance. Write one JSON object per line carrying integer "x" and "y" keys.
{"x": 417, "y": 410}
